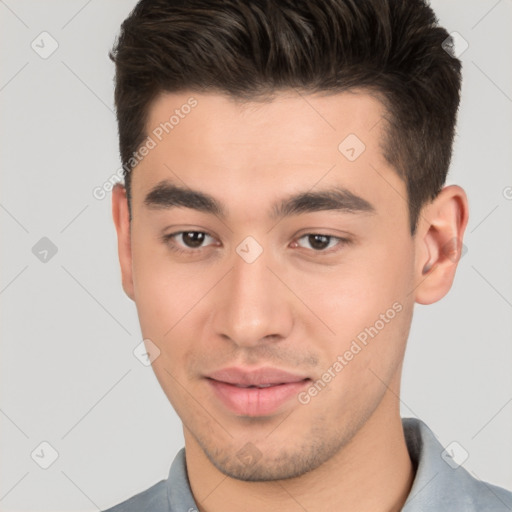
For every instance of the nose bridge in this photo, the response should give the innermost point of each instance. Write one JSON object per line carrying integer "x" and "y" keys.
{"x": 253, "y": 306}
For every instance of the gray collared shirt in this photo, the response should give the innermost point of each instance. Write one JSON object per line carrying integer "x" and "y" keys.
{"x": 439, "y": 485}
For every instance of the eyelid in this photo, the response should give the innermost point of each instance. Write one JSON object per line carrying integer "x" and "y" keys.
{"x": 342, "y": 242}
{"x": 168, "y": 239}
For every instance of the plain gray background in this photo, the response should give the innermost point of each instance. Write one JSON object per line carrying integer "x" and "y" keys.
{"x": 68, "y": 374}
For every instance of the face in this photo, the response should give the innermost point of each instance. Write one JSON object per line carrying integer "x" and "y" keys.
{"x": 270, "y": 247}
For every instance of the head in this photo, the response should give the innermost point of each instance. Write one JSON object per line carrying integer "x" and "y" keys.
{"x": 284, "y": 207}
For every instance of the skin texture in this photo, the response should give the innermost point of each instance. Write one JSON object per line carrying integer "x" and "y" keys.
{"x": 295, "y": 307}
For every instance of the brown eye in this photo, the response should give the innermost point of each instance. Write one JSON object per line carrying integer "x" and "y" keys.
{"x": 193, "y": 239}
{"x": 322, "y": 243}
{"x": 187, "y": 241}
{"x": 318, "y": 242}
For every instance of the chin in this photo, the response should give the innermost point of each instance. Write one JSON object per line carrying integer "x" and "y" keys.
{"x": 248, "y": 464}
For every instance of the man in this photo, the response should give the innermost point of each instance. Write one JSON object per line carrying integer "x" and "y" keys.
{"x": 283, "y": 211}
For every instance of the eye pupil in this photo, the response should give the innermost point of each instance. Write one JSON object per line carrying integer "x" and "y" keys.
{"x": 319, "y": 241}
{"x": 193, "y": 238}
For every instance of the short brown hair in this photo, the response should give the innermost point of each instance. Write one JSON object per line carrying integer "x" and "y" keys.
{"x": 249, "y": 49}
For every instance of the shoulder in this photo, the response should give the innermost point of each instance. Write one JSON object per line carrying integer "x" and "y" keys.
{"x": 443, "y": 484}
{"x": 165, "y": 496}
{"x": 153, "y": 499}
{"x": 471, "y": 494}
{"x": 492, "y": 497}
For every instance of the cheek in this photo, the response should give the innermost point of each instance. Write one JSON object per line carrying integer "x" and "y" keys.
{"x": 166, "y": 296}
{"x": 353, "y": 295}
{"x": 170, "y": 300}
{"x": 358, "y": 370}
{"x": 164, "y": 291}
{"x": 368, "y": 309}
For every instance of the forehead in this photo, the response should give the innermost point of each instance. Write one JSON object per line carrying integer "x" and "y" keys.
{"x": 288, "y": 122}
{"x": 250, "y": 150}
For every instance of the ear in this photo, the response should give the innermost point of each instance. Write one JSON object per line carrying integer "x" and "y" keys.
{"x": 121, "y": 217}
{"x": 438, "y": 243}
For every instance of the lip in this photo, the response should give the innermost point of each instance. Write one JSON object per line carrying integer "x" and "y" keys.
{"x": 254, "y": 401}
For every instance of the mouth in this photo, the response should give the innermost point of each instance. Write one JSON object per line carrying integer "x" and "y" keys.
{"x": 259, "y": 392}
{"x": 260, "y": 386}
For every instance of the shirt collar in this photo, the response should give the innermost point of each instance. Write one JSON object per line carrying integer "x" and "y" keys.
{"x": 441, "y": 483}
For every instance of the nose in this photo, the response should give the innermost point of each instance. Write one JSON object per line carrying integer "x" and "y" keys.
{"x": 253, "y": 306}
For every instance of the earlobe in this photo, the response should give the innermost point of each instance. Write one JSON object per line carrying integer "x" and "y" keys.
{"x": 121, "y": 216}
{"x": 439, "y": 244}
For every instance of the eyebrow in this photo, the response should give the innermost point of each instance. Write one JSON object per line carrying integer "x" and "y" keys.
{"x": 169, "y": 195}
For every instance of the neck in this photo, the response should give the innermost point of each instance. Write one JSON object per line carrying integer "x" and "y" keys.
{"x": 372, "y": 472}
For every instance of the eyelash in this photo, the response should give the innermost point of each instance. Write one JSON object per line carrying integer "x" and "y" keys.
{"x": 169, "y": 241}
